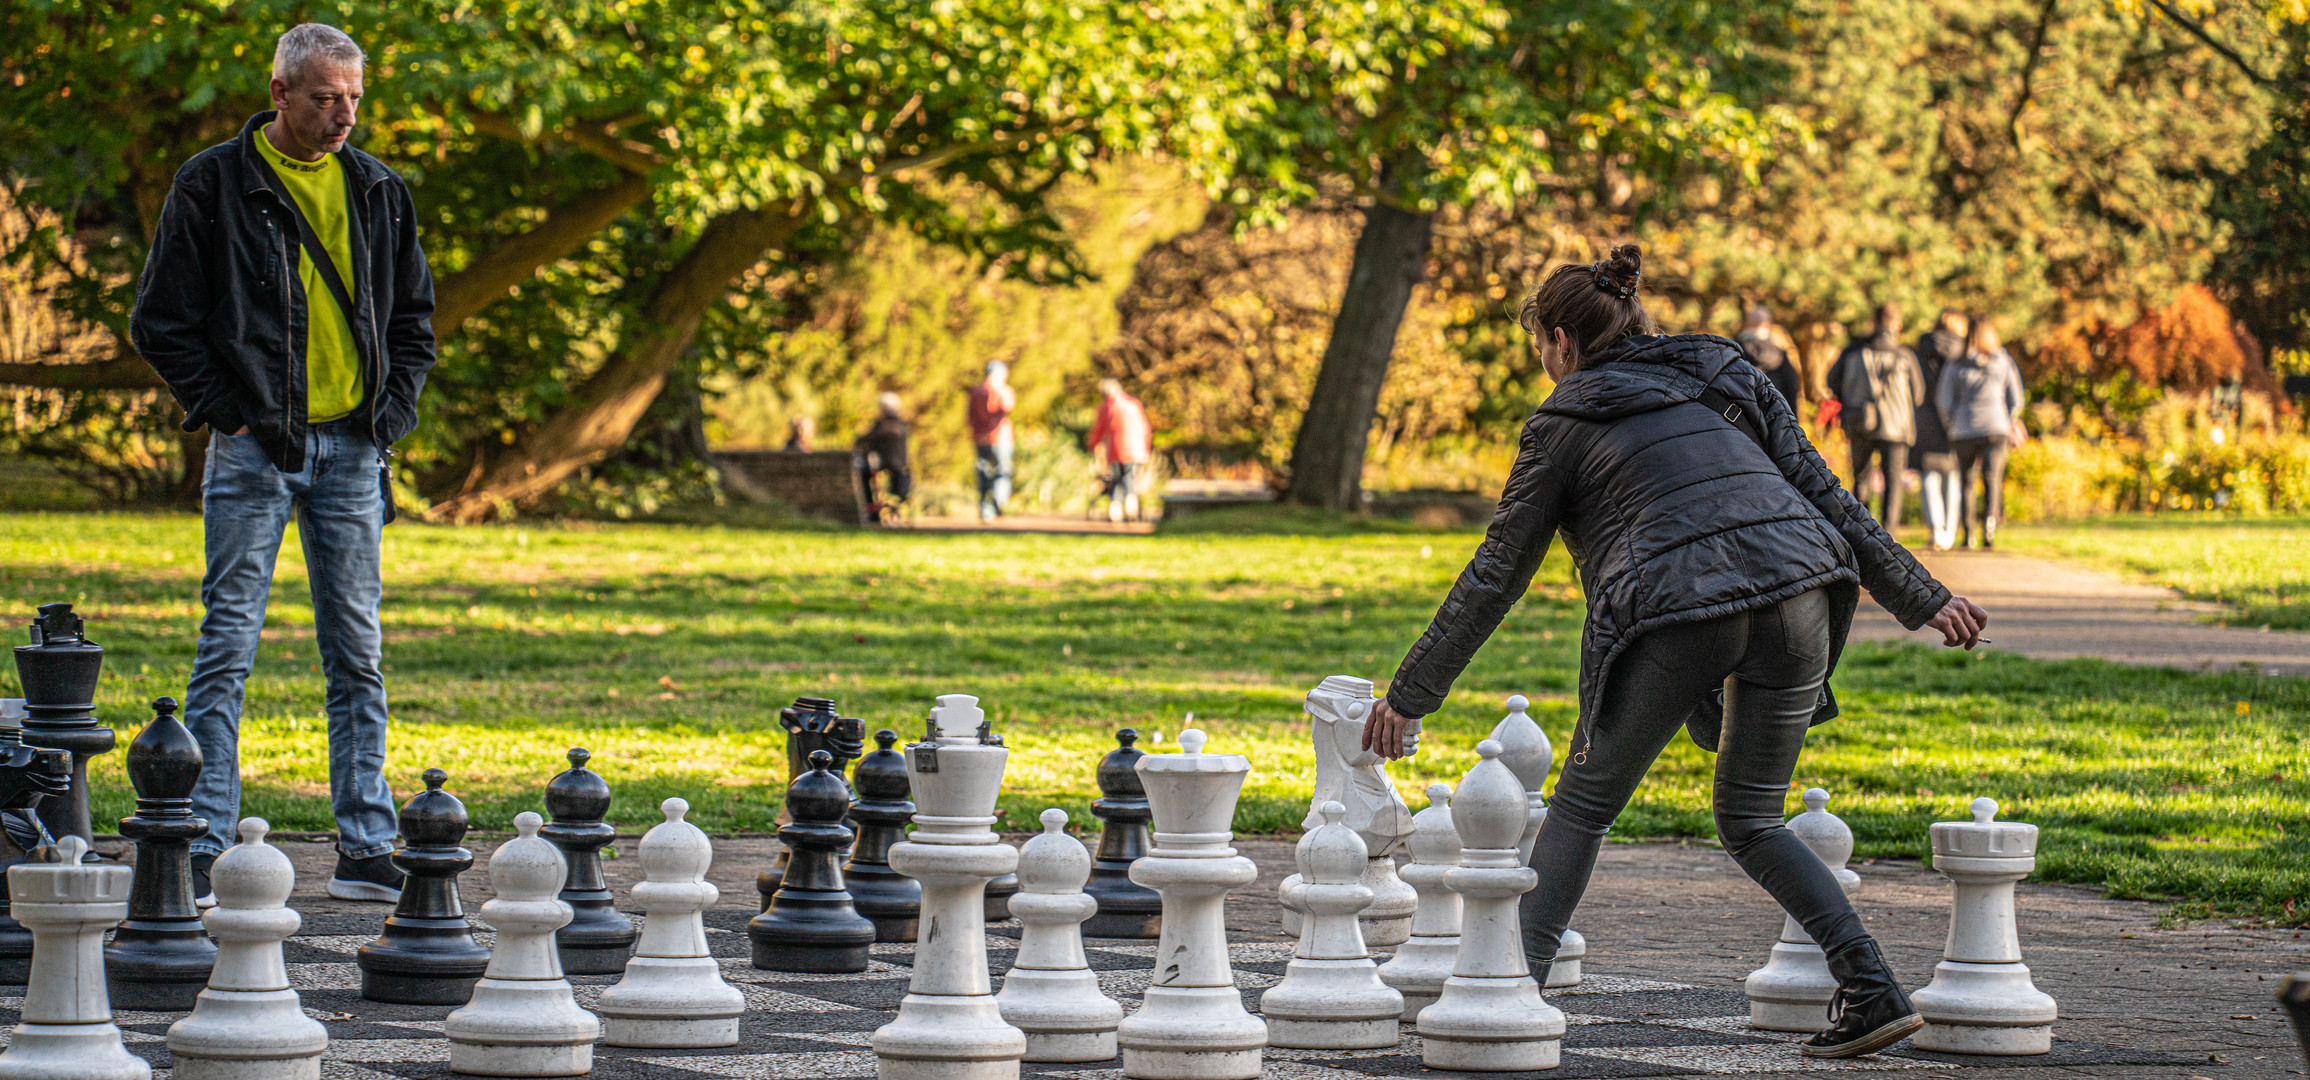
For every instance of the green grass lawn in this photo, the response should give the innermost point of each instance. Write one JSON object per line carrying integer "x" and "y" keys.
{"x": 668, "y": 650}
{"x": 2259, "y": 567}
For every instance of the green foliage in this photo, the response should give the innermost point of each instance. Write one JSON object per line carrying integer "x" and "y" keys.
{"x": 2266, "y": 203}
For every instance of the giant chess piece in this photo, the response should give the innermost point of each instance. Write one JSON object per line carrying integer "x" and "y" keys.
{"x": 949, "y": 1026}
{"x": 811, "y": 724}
{"x": 427, "y": 955}
{"x": 1191, "y": 1024}
{"x": 28, "y": 775}
{"x": 890, "y": 900}
{"x": 1490, "y": 1017}
{"x": 1422, "y": 963}
{"x": 1525, "y": 751}
{"x": 523, "y": 1019}
{"x": 597, "y": 939}
{"x": 1792, "y": 991}
{"x": 1331, "y": 996}
{"x": 58, "y": 672}
{"x": 2294, "y": 996}
{"x": 1981, "y": 1000}
{"x": 160, "y": 958}
{"x": 67, "y": 1031}
{"x": 811, "y": 924}
{"x": 248, "y": 1024}
{"x": 673, "y": 994}
{"x": 1126, "y": 909}
{"x": 1357, "y": 778}
{"x": 1050, "y": 992}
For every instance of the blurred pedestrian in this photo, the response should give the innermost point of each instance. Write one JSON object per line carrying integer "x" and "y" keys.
{"x": 1772, "y": 351}
{"x": 800, "y": 433}
{"x": 882, "y": 451}
{"x": 991, "y": 404}
{"x": 1981, "y": 399}
{"x": 1936, "y": 462}
{"x": 1878, "y": 386}
{"x": 1122, "y": 440}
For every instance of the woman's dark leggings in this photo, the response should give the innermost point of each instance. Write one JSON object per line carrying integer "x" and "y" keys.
{"x": 1771, "y": 663}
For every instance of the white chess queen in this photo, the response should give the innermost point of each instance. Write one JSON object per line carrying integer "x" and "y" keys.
{"x": 1722, "y": 563}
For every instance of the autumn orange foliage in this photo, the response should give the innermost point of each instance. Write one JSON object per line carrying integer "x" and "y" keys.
{"x": 2190, "y": 344}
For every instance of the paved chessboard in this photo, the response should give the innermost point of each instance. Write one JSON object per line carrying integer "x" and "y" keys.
{"x": 807, "y": 1027}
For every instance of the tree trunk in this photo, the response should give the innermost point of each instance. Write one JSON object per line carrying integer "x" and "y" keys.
{"x": 1327, "y": 457}
{"x": 462, "y": 295}
{"x": 604, "y": 408}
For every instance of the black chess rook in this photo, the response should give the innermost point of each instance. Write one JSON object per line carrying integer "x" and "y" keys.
{"x": 598, "y": 939}
{"x": 427, "y": 955}
{"x": 160, "y": 958}
{"x": 889, "y": 899}
{"x": 1127, "y": 909}
{"x": 812, "y": 924}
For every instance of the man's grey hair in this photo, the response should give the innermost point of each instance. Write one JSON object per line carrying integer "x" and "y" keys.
{"x": 309, "y": 43}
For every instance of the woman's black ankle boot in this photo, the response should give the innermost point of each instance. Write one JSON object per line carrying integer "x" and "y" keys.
{"x": 1870, "y": 1011}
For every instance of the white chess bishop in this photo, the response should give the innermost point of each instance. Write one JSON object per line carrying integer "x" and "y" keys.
{"x": 1331, "y": 996}
{"x": 1422, "y": 963}
{"x": 248, "y": 1024}
{"x": 949, "y": 1026}
{"x": 67, "y": 1032}
{"x": 672, "y": 994}
{"x": 1981, "y": 999}
{"x": 1525, "y": 750}
{"x": 1792, "y": 991}
{"x": 523, "y": 1019}
{"x": 1050, "y": 992}
{"x": 1490, "y": 1017}
{"x": 1357, "y": 779}
{"x": 1191, "y": 1024}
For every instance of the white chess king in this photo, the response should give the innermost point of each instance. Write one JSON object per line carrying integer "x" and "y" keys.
{"x": 248, "y": 1024}
{"x": 1981, "y": 999}
{"x": 672, "y": 994}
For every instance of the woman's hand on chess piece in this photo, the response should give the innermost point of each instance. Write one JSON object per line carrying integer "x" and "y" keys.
{"x": 1384, "y": 731}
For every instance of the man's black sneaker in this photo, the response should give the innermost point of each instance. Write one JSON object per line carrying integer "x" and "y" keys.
{"x": 373, "y": 878}
{"x": 203, "y": 895}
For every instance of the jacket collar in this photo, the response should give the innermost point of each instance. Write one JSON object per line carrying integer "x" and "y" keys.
{"x": 362, "y": 170}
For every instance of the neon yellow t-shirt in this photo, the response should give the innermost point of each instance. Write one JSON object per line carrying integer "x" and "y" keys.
{"x": 332, "y": 362}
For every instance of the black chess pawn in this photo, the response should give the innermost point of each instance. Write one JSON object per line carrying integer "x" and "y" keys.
{"x": 811, "y": 924}
{"x": 427, "y": 955}
{"x": 2294, "y": 994}
{"x": 893, "y": 901}
{"x": 159, "y": 959}
{"x": 58, "y": 672}
{"x": 1127, "y": 909}
{"x": 27, "y": 776}
{"x": 811, "y": 724}
{"x": 597, "y": 940}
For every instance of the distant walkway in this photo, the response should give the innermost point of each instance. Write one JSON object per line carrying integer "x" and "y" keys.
{"x": 1020, "y": 523}
{"x": 2057, "y": 611}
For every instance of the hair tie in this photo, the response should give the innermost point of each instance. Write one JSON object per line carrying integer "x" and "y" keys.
{"x": 1603, "y": 275}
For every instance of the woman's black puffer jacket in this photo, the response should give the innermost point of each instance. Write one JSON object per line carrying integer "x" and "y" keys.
{"x": 1672, "y": 515}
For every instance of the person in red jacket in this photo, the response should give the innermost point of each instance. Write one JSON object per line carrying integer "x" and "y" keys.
{"x": 991, "y": 403}
{"x": 1122, "y": 440}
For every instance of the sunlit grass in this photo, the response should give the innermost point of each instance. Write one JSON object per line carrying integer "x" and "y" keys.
{"x": 667, "y": 651}
{"x": 2258, "y": 567}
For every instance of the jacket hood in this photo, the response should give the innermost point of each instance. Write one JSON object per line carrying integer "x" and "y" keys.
{"x": 1642, "y": 374}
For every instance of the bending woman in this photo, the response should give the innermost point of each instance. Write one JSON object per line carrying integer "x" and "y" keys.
{"x": 1718, "y": 555}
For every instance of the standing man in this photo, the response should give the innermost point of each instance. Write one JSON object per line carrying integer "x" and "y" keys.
{"x": 990, "y": 414}
{"x": 1769, "y": 348}
{"x": 1122, "y": 440}
{"x": 287, "y": 304}
{"x": 1878, "y": 387}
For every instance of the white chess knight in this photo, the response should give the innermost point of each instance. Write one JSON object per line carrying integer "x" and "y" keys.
{"x": 1981, "y": 999}
{"x": 67, "y": 1031}
{"x": 1331, "y": 996}
{"x": 1490, "y": 1017}
{"x": 672, "y": 994}
{"x": 523, "y": 1019}
{"x": 1050, "y": 992}
{"x": 1357, "y": 779}
{"x": 1422, "y": 963}
{"x": 248, "y": 1024}
{"x": 1792, "y": 991}
{"x": 949, "y": 1026}
{"x": 1191, "y": 1024}
{"x": 1524, "y": 749}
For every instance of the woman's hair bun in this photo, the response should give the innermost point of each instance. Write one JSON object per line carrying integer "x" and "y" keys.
{"x": 1626, "y": 265}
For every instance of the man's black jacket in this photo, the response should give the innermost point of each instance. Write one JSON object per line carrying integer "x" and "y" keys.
{"x": 1671, "y": 514}
{"x": 220, "y": 312}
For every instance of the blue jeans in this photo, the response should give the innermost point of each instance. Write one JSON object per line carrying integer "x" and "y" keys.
{"x": 994, "y": 467}
{"x": 340, "y": 507}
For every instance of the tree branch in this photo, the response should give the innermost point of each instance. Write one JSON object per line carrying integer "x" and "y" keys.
{"x": 2199, "y": 32}
{"x": 125, "y": 372}
{"x": 462, "y": 295}
{"x": 2029, "y": 72}
{"x": 632, "y": 156}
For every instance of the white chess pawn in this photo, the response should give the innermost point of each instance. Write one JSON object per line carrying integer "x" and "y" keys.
{"x": 1051, "y": 992}
{"x": 67, "y": 1031}
{"x": 1191, "y": 1024}
{"x": 672, "y": 994}
{"x": 1357, "y": 778}
{"x": 523, "y": 1019}
{"x": 1792, "y": 991}
{"x": 1490, "y": 1017}
{"x": 948, "y": 1025}
{"x": 248, "y": 1024}
{"x": 1331, "y": 996}
{"x": 1981, "y": 999}
{"x": 1423, "y": 962}
{"x": 1525, "y": 750}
